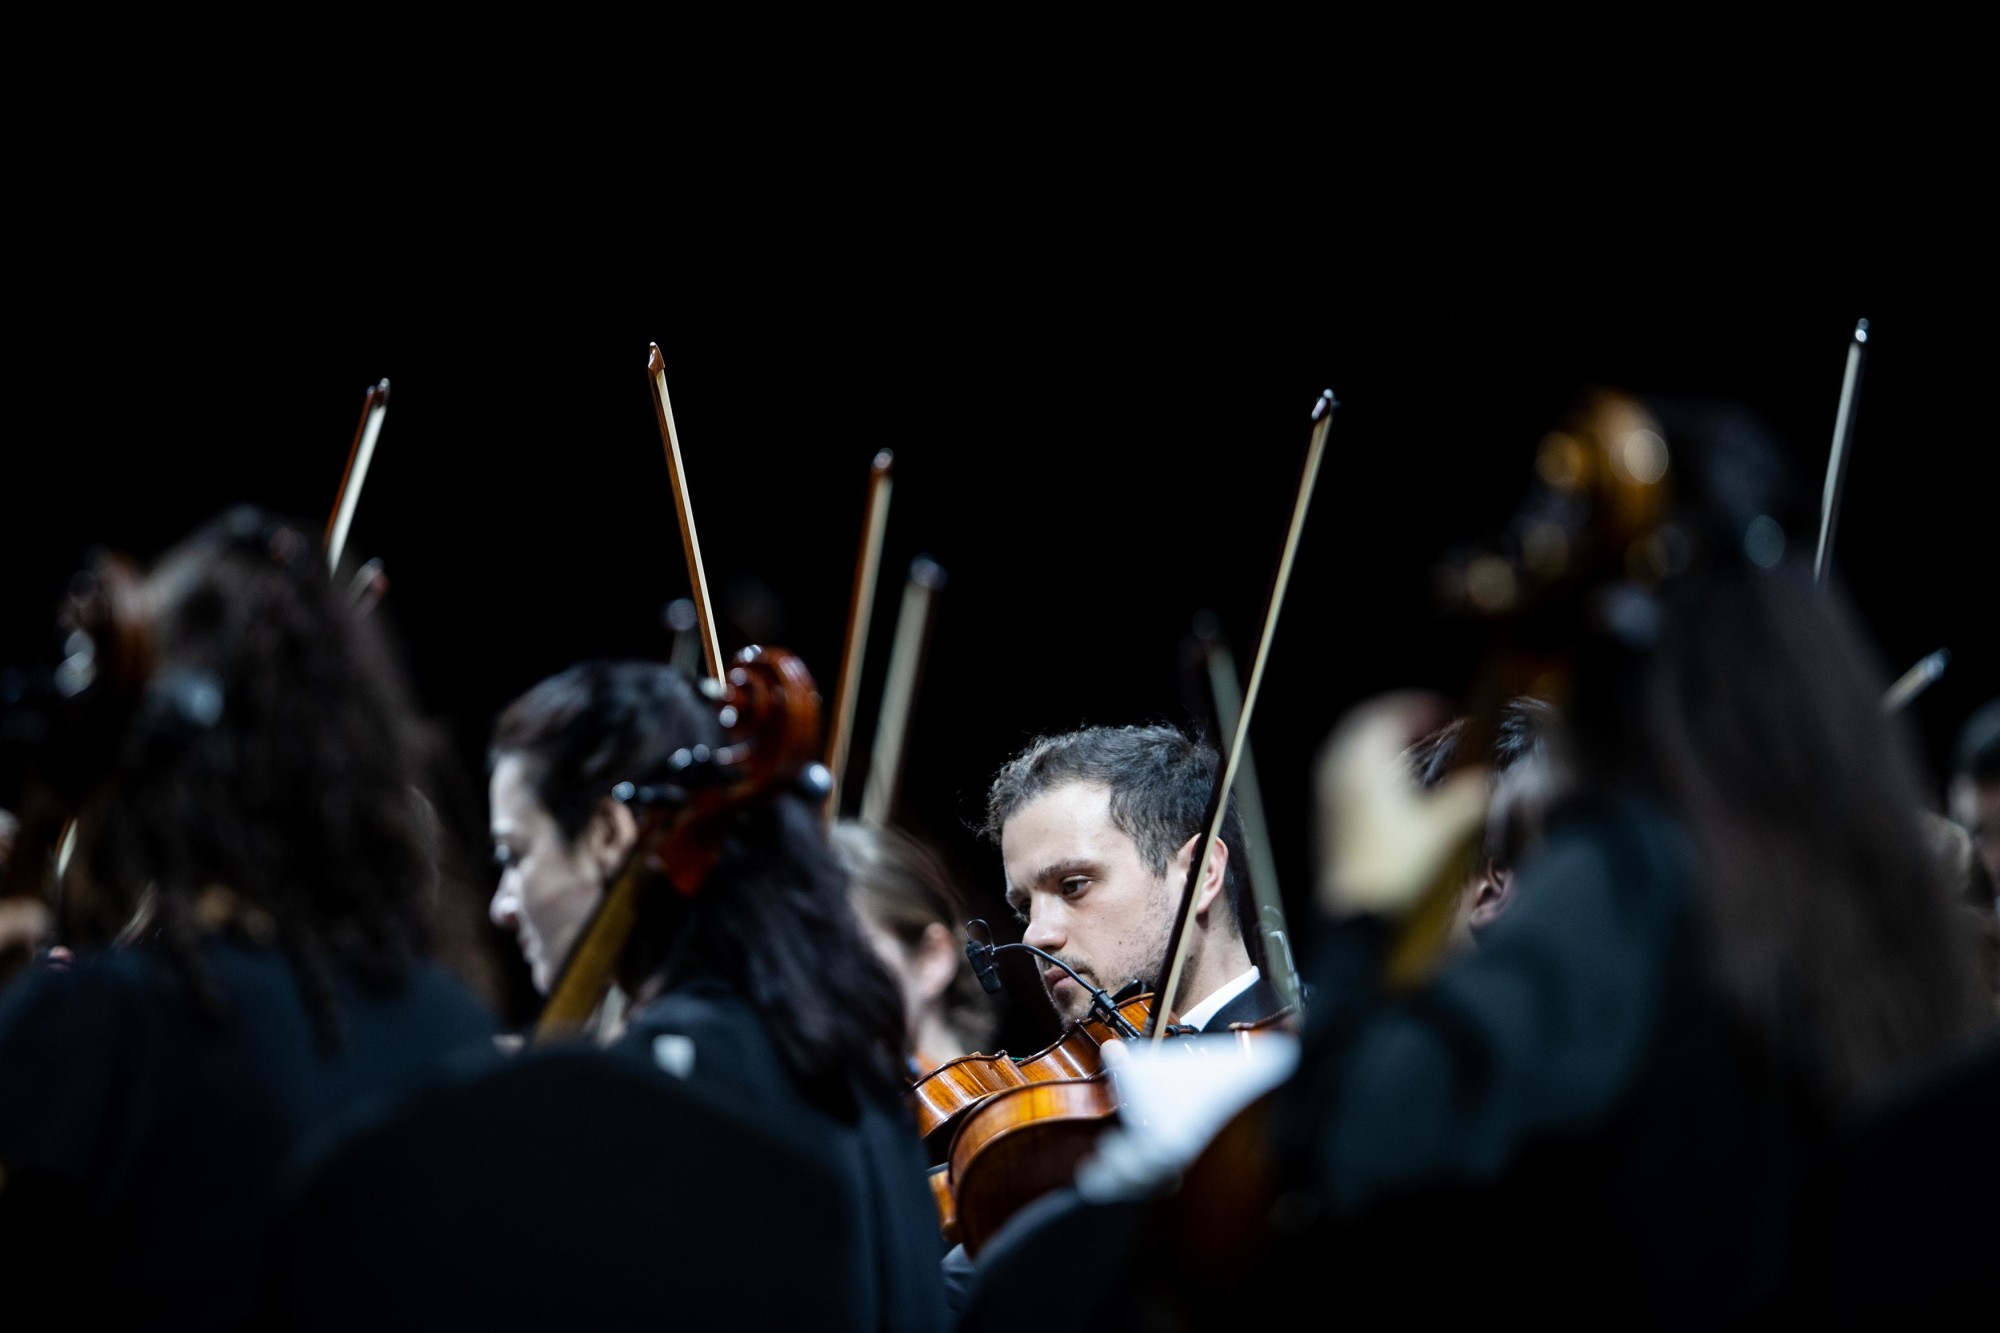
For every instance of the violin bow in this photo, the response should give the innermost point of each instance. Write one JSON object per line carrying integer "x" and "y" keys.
{"x": 1263, "y": 870}
{"x": 906, "y": 658}
{"x": 587, "y": 973}
{"x": 1836, "y": 463}
{"x": 867, "y": 563}
{"x": 663, "y": 408}
{"x": 1225, "y": 773}
{"x": 1916, "y": 680}
{"x": 681, "y": 622}
{"x": 374, "y": 407}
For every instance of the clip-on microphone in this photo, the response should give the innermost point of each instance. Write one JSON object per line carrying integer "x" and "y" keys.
{"x": 980, "y": 949}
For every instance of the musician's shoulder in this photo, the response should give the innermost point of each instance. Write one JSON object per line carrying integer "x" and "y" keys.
{"x": 704, "y": 1032}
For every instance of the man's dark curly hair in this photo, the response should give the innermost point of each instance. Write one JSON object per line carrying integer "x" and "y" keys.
{"x": 268, "y": 784}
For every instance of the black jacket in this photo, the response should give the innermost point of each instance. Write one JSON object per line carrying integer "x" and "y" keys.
{"x": 1571, "y": 1089}
{"x": 144, "y": 1149}
{"x": 1255, "y": 1003}
{"x": 707, "y": 1034}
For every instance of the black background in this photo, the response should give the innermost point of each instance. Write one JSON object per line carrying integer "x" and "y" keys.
{"x": 1095, "y": 386}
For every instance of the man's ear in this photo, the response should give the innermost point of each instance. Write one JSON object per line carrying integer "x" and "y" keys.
{"x": 1491, "y": 895}
{"x": 609, "y": 836}
{"x": 1211, "y": 884}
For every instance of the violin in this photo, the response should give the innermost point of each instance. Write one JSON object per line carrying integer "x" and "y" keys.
{"x": 1012, "y": 1130}
{"x": 958, "y": 1091}
{"x": 965, "y": 1105}
{"x": 1020, "y": 1143}
{"x": 941, "y": 1098}
{"x": 1004, "y": 1131}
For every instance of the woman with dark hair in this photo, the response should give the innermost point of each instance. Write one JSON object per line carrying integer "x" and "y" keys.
{"x": 248, "y": 916}
{"x": 759, "y": 987}
{"x": 914, "y": 916}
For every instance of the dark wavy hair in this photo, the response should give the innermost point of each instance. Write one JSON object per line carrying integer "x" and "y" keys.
{"x": 269, "y": 782}
{"x": 1160, "y": 779}
{"x": 1752, "y": 703}
{"x": 772, "y": 919}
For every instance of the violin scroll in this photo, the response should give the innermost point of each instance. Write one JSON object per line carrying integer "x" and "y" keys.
{"x": 769, "y": 710}
{"x": 769, "y": 707}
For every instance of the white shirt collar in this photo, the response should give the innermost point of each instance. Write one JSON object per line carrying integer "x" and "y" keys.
{"x": 1198, "y": 1016}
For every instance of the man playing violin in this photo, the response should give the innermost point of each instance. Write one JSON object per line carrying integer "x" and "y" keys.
{"x": 1097, "y": 830}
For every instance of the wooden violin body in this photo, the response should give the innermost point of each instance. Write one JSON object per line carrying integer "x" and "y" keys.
{"x": 1014, "y": 1128}
{"x": 1019, "y": 1144}
{"x": 941, "y": 1098}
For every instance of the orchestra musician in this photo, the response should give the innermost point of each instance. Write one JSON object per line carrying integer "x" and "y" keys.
{"x": 24, "y": 921}
{"x": 248, "y": 922}
{"x": 914, "y": 917}
{"x": 1097, "y": 829}
{"x": 1522, "y": 777}
{"x": 1974, "y": 791}
{"x": 759, "y": 988}
{"x": 1732, "y": 935}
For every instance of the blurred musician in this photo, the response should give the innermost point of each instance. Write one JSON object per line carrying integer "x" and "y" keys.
{"x": 1975, "y": 784}
{"x": 1732, "y": 932}
{"x": 914, "y": 917}
{"x": 259, "y": 853}
{"x": 1522, "y": 778}
{"x": 759, "y": 989}
{"x": 24, "y": 920}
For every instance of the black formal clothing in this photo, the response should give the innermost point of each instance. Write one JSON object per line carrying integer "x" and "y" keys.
{"x": 707, "y": 1034}
{"x": 143, "y": 1148}
{"x": 1562, "y": 1121}
{"x": 1253, "y": 1004}
{"x": 1900, "y": 1220}
{"x": 567, "y": 1187}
